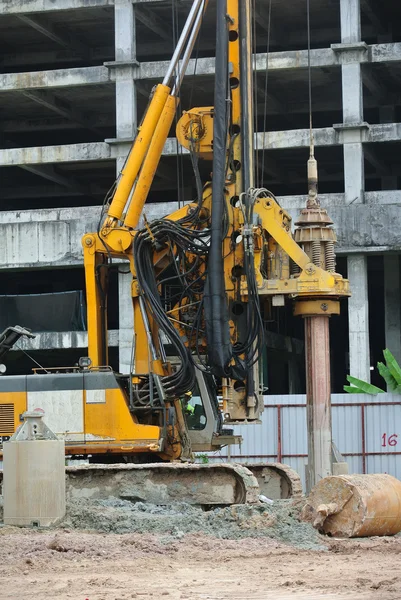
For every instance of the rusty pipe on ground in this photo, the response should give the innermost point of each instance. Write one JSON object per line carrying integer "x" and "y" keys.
{"x": 355, "y": 505}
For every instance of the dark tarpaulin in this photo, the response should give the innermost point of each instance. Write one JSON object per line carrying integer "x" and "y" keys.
{"x": 60, "y": 311}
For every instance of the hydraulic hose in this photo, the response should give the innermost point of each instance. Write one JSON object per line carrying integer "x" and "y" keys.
{"x": 215, "y": 302}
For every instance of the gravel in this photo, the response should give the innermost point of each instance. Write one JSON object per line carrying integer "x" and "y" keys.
{"x": 279, "y": 521}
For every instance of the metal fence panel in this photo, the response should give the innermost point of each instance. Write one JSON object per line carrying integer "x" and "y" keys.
{"x": 293, "y": 431}
{"x": 383, "y": 428}
{"x": 384, "y": 464}
{"x": 366, "y": 430}
{"x": 347, "y": 428}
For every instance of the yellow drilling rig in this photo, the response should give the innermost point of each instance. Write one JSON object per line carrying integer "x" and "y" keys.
{"x": 227, "y": 255}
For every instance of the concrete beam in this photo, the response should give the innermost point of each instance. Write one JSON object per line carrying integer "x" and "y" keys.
{"x": 58, "y": 78}
{"x": 154, "y": 70}
{"x": 383, "y": 197}
{"x": 15, "y": 7}
{"x": 95, "y": 151}
{"x": 334, "y": 201}
{"x": 272, "y": 140}
{"x": 367, "y": 226}
{"x": 68, "y": 42}
{"x": 52, "y": 237}
{"x": 323, "y": 57}
{"x": 385, "y": 52}
{"x": 55, "y": 340}
{"x": 280, "y": 61}
{"x": 296, "y": 138}
{"x": 45, "y": 215}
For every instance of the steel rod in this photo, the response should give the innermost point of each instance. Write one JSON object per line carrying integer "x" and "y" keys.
{"x": 183, "y": 64}
{"x": 182, "y": 40}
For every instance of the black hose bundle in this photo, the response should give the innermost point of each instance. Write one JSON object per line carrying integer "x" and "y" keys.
{"x": 167, "y": 233}
{"x": 215, "y": 302}
{"x": 202, "y": 281}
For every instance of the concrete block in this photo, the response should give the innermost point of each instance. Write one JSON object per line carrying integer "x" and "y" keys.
{"x": 340, "y": 468}
{"x": 34, "y": 482}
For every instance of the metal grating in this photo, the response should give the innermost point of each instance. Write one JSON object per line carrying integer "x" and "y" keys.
{"x": 6, "y": 419}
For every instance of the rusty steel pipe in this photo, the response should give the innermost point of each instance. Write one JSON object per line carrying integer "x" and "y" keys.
{"x": 317, "y": 356}
{"x": 355, "y": 505}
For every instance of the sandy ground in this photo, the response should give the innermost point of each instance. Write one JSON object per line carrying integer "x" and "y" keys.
{"x": 105, "y": 566}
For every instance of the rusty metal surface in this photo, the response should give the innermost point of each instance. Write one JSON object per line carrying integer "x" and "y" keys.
{"x": 317, "y": 354}
{"x": 355, "y": 505}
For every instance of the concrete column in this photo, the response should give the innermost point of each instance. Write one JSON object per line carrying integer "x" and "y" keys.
{"x": 350, "y": 11}
{"x": 392, "y": 311}
{"x": 352, "y": 97}
{"x": 358, "y": 315}
{"x": 352, "y": 93}
{"x": 126, "y": 320}
{"x": 354, "y": 172}
{"x": 125, "y": 54}
{"x": 126, "y": 123}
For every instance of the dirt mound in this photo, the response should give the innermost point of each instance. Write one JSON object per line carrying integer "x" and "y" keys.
{"x": 279, "y": 521}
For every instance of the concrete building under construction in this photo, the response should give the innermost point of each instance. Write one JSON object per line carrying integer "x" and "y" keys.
{"x": 75, "y": 80}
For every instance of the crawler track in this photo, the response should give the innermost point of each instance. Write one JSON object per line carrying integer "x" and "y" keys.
{"x": 219, "y": 484}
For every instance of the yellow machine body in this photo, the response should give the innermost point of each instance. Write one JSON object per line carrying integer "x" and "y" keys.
{"x": 115, "y": 420}
{"x": 88, "y": 419}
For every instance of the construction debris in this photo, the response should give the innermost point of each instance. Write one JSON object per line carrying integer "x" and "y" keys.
{"x": 279, "y": 521}
{"x": 355, "y": 506}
